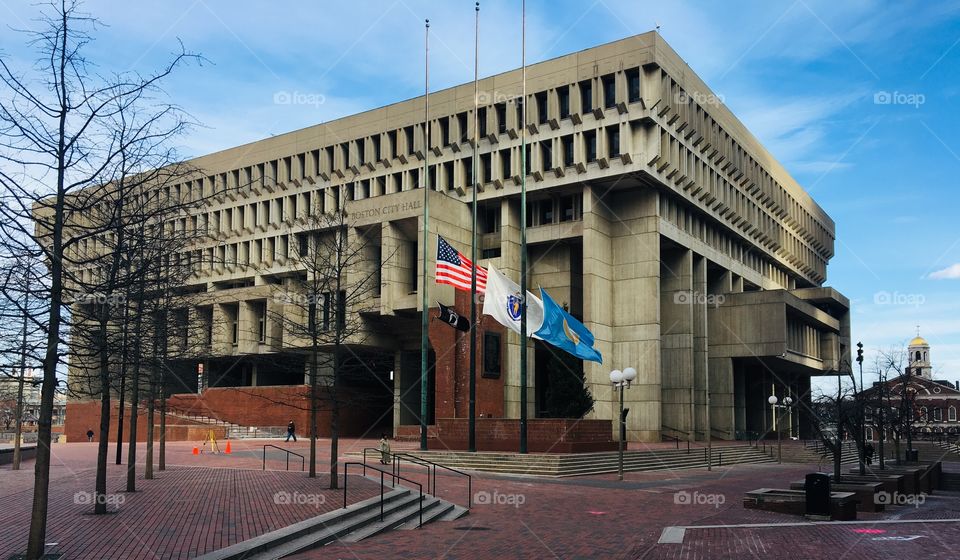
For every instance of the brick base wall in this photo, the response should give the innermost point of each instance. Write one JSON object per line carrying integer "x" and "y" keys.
{"x": 245, "y": 406}
{"x": 85, "y": 415}
{"x": 544, "y": 435}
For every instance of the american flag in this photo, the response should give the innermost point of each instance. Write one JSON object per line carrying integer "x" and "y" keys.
{"x": 454, "y": 268}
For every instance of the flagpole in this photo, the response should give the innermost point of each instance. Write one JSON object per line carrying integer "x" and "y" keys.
{"x": 523, "y": 231}
{"x": 472, "y": 413}
{"x": 424, "y": 340}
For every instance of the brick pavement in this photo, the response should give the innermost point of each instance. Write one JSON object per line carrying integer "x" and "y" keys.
{"x": 185, "y": 511}
{"x": 594, "y": 517}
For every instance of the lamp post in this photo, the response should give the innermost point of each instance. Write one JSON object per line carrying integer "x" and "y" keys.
{"x": 786, "y": 405}
{"x": 621, "y": 380}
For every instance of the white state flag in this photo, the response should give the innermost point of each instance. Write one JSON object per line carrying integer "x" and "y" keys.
{"x": 502, "y": 302}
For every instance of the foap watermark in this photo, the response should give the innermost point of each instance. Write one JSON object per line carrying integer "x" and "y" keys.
{"x": 897, "y": 298}
{"x": 298, "y": 98}
{"x": 497, "y": 498}
{"x": 88, "y": 498}
{"x": 899, "y": 98}
{"x": 897, "y": 499}
{"x": 684, "y": 97}
{"x": 494, "y": 97}
{"x": 101, "y": 299}
{"x": 296, "y": 498}
{"x": 697, "y": 298}
{"x": 685, "y": 498}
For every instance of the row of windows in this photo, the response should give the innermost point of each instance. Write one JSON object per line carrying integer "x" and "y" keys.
{"x": 689, "y": 166}
{"x": 690, "y": 118}
{"x": 561, "y": 102}
{"x": 692, "y": 223}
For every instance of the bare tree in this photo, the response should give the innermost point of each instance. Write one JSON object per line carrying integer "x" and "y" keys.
{"x": 339, "y": 274}
{"x": 58, "y": 137}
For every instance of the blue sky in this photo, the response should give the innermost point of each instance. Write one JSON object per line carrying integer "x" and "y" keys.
{"x": 856, "y": 98}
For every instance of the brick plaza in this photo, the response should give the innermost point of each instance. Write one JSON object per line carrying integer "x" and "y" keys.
{"x": 205, "y": 502}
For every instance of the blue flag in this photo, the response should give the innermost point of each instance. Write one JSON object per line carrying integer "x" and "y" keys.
{"x": 566, "y": 333}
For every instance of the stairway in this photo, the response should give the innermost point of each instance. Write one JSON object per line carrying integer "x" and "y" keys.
{"x": 582, "y": 464}
{"x": 233, "y": 431}
{"x": 816, "y": 453}
{"x": 401, "y": 511}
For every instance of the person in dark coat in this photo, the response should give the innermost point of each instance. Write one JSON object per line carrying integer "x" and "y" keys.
{"x": 291, "y": 431}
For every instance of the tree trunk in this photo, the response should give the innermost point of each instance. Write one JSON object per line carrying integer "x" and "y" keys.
{"x": 100, "y": 492}
{"x": 134, "y": 400}
{"x": 148, "y": 467}
{"x": 162, "y": 464}
{"x": 123, "y": 390}
{"x": 334, "y": 420}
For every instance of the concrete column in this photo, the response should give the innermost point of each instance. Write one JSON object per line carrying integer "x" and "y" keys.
{"x": 725, "y": 399}
{"x": 247, "y": 328}
{"x": 510, "y": 266}
{"x": 621, "y": 252}
{"x": 677, "y": 350}
{"x": 700, "y": 354}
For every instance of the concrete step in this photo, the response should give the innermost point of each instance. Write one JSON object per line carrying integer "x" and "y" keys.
{"x": 408, "y": 514}
{"x": 401, "y": 509}
{"x": 590, "y": 463}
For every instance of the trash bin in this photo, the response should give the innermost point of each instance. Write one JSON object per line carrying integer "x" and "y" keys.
{"x": 913, "y": 455}
{"x": 817, "y": 486}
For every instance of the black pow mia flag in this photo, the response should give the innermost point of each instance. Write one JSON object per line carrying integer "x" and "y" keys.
{"x": 452, "y": 318}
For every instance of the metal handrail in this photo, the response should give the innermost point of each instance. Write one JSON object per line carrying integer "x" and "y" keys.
{"x": 435, "y": 465}
{"x": 303, "y": 460}
{"x": 431, "y": 469}
{"x": 392, "y": 484}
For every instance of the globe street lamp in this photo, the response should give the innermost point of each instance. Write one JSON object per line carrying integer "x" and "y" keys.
{"x": 622, "y": 380}
{"x": 786, "y": 405}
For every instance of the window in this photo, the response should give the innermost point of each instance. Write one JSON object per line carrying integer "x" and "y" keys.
{"x": 491, "y": 355}
{"x": 546, "y": 154}
{"x": 569, "y": 208}
{"x": 586, "y": 96}
{"x": 541, "y": 107}
{"x": 633, "y": 85}
{"x": 590, "y": 141}
{"x": 376, "y": 147}
{"x": 408, "y": 132}
{"x": 938, "y": 414}
{"x": 482, "y": 121}
{"x": 361, "y": 149}
{"x": 462, "y": 125}
{"x": 613, "y": 141}
{"x": 609, "y": 91}
{"x": 492, "y": 253}
{"x": 952, "y": 414}
{"x": 545, "y": 212}
{"x": 563, "y": 100}
{"x": 491, "y": 219}
{"x": 485, "y": 168}
{"x": 505, "y": 164}
{"x": 501, "y": 109}
{"x": 392, "y": 140}
{"x": 445, "y": 131}
{"x": 567, "y": 142}
{"x": 262, "y": 322}
{"x": 468, "y": 172}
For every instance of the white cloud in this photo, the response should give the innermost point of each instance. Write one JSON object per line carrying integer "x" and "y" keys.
{"x": 952, "y": 272}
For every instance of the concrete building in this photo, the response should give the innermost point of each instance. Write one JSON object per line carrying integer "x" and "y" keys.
{"x": 653, "y": 214}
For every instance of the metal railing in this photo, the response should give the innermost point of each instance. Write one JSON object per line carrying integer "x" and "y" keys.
{"x": 303, "y": 460}
{"x": 396, "y": 458}
{"x": 394, "y": 477}
{"x": 420, "y": 460}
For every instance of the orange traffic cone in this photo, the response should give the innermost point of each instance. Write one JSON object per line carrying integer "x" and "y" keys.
{"x": 196, "y": 451}
{"x": 227, "y": 450}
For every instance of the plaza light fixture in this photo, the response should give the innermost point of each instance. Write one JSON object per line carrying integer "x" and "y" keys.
{"x": 787, "y": 402}
{"x": 622, "y": 380}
